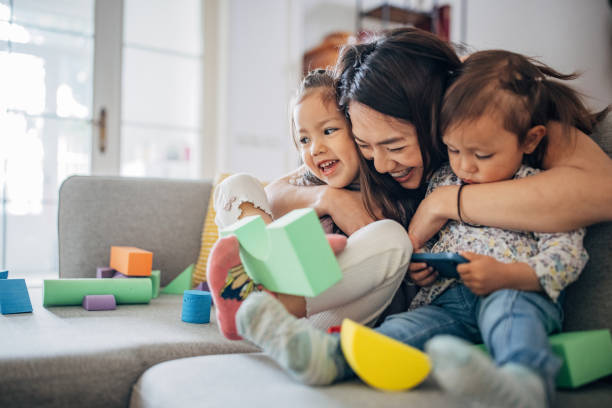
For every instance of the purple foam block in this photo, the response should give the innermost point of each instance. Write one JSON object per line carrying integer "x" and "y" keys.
{"x": 203, "y": 286}
{"x": 119, "y": 275}
{"x": 99, "y": 302}
{"x": 104, "y": 272}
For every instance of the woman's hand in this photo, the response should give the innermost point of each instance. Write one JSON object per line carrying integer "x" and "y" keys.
{"x": 421, "y": 274}
{"x": 345, "y": 207}
{"x": 431, "y": 215}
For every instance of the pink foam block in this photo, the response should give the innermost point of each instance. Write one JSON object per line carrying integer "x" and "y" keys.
{"x": 99, "y": 302}
{"x": 104, "y": 272}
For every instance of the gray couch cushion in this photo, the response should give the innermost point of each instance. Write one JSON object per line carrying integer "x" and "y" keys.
{"x": 69, "y": 357}
{"x": 588, "y": 304}
{"x": 254, "y": 380}
{"x": 163, "y": 216}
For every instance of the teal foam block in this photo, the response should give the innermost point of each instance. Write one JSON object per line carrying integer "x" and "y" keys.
{"x": 4, "y": 274}
{"x": 70, "y": 292}
{"x": 291, "y": 255}
{"x": 196, "y": 306}
{"x": 14, "y": 296}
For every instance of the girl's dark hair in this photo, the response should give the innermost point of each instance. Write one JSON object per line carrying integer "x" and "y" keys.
{"x": 319, "y": 79}
{"x": 522, "y": 90}
{"x": 402, "y": 74}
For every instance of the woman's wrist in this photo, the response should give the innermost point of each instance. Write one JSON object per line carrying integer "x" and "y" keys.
{"x": 446, "y": 202}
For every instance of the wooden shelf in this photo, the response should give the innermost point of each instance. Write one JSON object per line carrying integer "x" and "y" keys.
{"x": 400, "y": 15}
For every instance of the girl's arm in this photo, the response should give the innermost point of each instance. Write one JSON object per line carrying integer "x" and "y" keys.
{"x": 344, "y": 206}
{"x": 574, "y": 191}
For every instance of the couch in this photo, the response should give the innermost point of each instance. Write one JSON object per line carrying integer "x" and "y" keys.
{"x": 145, "y": 356}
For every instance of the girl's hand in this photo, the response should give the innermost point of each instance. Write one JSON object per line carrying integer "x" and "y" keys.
{"x": 431, "y": 215}
{"x": 345, "y": 207}
{"x": 421, "y": 274}
{"x": 483, "y": 274}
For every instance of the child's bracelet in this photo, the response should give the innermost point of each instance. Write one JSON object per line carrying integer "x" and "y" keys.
{"x": 459, "y": 209}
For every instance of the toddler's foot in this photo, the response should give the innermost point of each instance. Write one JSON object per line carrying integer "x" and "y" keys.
{"x": 463, "y": 370}
{"x": 228, "y": 282}
{"x": 309, "y": 355}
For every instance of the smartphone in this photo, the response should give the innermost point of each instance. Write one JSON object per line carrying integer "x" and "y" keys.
{"x": 444, "y": 262}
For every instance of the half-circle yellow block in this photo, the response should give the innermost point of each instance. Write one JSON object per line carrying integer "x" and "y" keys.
{"x": 381, "y": 361}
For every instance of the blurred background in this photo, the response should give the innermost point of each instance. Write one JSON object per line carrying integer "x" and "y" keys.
{"x": 193, "y": 88}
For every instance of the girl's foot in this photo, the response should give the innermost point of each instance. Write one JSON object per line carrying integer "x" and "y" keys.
{"x": 463, "y": 370}
{"x": 229, "y": 283}
{"x": 309, "y": 355}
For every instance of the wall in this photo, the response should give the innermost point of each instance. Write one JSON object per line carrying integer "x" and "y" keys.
{"x": 266, "y": 41}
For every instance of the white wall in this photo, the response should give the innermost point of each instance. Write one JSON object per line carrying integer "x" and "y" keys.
{"x": 568, "y": 35}
{"x": 267, "y": 38}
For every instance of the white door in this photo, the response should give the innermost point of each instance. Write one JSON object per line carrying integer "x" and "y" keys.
{"x": 61, "y": 63}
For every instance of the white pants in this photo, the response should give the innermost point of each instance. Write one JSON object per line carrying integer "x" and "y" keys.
{"x": 373, "y": 263}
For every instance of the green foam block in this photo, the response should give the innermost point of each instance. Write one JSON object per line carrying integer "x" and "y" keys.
{"x": 155, "y": 279}
{"x": 291, "y": 255}
{"x": 181, "y": 283}
{"x": 69, "y": 292}
{"x": 586, "y": 355}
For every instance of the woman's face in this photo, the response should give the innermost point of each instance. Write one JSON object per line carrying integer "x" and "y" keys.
{"x": 391, "y": 143}
{"x": 325, "y": 140}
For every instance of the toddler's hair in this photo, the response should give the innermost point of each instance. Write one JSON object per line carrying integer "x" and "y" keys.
{"x": 323, "y": 81}
{"x": 522, "y": 90}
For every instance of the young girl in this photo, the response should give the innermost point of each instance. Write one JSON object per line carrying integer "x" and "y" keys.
{"x": 372, "y": 271}
{"x": 495, "y": 117}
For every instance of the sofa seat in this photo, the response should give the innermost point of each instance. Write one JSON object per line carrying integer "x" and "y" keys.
{"x": 67, "y": 356}
{"x": 255, "y": 380}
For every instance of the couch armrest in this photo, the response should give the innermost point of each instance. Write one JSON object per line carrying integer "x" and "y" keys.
{"x": 162, "y": 216}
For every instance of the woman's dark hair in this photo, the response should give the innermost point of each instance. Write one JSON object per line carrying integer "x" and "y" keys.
{"x": 522, "y": 90}
{"x": 402, "y": 74}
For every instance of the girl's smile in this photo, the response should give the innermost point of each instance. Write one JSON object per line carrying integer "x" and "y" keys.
{"x": 325, "y": 141}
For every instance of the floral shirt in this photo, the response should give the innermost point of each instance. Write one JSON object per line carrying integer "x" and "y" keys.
{"x": 557, "y": 259}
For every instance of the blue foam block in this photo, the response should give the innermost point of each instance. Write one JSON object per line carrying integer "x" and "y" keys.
{"x": 196, "y": 306}
{"x": 4, "y": 274}
{"x": 14, "y": 296}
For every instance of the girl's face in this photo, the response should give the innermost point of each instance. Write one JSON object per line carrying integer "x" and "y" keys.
{"x": 325, "y": 141}
{"x": 392, "y": 144}
{"x": 482, "y": 151}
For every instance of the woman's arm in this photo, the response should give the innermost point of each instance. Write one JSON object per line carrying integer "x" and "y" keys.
{"x": 574, "y": 191}
{"x": 345, "y": 207}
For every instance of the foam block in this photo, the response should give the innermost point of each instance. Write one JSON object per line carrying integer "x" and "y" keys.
{"x": 381, "y": 361}
{"x": 587, "y": 356}
{"x": 181, "y": 283}
{"x": 70, "y": 292}
{"x": 103, "y": 272}
{"x": 119, "y": 275}
{"x": 4, "y": 274}
{"x": 202, "y": 286}
{"x": 131, "y": 261}
{"x": 290, "y": 255}
{"x": 99, "y": 302}
{"x": 155, "y": 280}
{"x": 14, "y": 296}
{"x": 196, "y": 306}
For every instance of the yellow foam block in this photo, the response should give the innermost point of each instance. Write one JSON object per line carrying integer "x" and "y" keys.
{"x": 381, "y": 361}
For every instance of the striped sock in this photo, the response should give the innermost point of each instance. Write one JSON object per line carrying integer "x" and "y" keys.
{"x": 308, "y": 354}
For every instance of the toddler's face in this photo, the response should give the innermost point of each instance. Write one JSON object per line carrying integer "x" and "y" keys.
{"x": 325, "y": 141}
{"x": 482, "y": 151}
